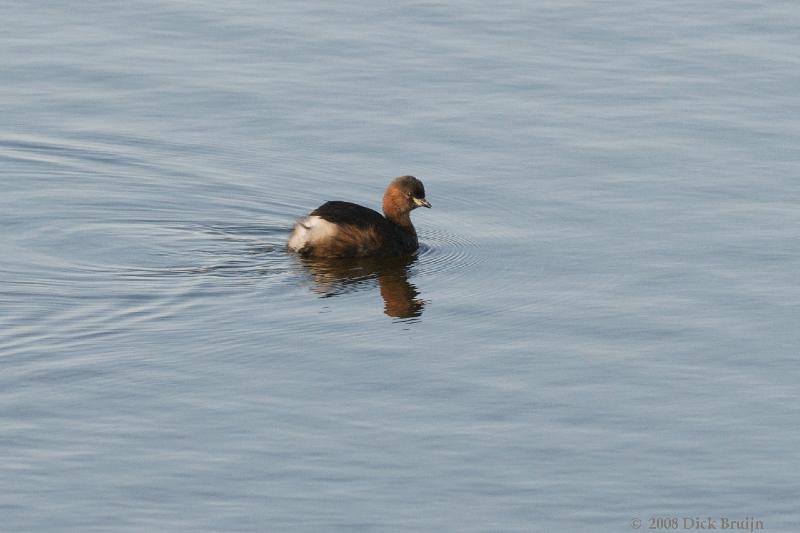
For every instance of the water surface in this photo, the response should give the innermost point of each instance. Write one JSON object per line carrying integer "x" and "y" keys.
{"x": 600, "y": 325}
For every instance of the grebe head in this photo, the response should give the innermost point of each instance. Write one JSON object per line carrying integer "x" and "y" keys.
{"x": 404, "y": 194}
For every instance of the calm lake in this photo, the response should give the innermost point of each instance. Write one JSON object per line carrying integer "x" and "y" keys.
{"x": 601, "y": 325}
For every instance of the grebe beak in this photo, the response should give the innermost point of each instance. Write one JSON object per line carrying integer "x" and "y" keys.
{"x": 422, "y": 202}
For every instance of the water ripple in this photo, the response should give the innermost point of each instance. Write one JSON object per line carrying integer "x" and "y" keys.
{"x": 444, "y": 254}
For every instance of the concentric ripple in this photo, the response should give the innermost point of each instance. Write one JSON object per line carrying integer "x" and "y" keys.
{"x": 445, "y": 254}
{"x": 144, "y": 234}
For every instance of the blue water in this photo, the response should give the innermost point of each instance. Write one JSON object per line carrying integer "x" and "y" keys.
{"x": 601, "y": 324}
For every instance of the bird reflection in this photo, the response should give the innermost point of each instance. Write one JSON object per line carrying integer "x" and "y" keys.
{"x": 338, "y": 276}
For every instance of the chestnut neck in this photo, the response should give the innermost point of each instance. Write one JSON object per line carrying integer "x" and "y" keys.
{"x": 395, "y": 210}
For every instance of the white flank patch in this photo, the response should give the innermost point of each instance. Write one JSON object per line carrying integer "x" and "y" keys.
{"x": 310, "y": 231}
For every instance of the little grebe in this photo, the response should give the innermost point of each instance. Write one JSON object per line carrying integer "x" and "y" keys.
{"x": 343, "y": 229}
